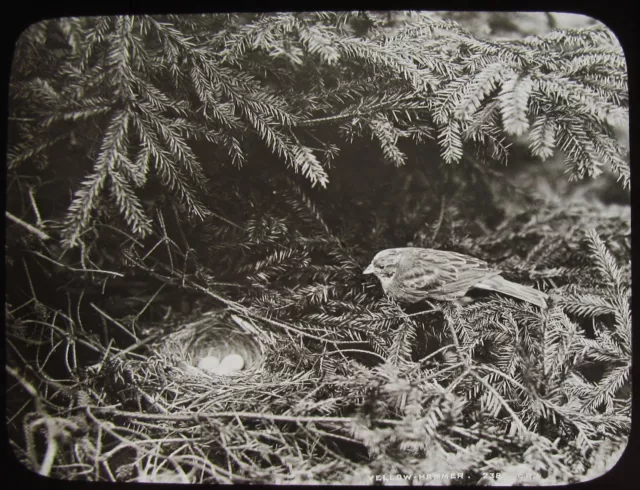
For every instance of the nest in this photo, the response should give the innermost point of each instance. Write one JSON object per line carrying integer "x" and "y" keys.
{"x": 158, "y": 418}
{"x": 213, "y": 337}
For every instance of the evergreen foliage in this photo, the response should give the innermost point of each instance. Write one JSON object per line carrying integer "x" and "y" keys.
{"x": 255, "y": 164}
{"x": 151, "y": 87}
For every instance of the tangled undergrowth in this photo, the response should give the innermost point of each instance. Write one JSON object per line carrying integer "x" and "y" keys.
{"x": 347, "y": 392}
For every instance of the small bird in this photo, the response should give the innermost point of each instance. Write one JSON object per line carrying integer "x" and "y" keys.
{"x": 411, "y": 274}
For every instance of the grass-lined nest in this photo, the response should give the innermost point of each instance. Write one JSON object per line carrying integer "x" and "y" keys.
{"x": 214, "y": 345}
{"x": 163, "y": 419}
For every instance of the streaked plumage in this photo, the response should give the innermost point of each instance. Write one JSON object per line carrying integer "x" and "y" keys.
{"x": 412, "y": 274}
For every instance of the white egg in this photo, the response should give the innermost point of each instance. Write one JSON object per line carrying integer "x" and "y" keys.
{"x": 209, "y": 363}
{"x": 230, "y": 364}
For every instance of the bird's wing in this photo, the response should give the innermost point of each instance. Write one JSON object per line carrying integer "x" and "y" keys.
{"x": 441, "y": 272}
{"x": 420, "y": 271}
{"x": 469, "y": 272}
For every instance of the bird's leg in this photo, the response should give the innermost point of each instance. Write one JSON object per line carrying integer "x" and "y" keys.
{"x": 433, "y": 308}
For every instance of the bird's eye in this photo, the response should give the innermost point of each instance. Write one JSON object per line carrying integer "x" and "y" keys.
{"x": 387, "y": 272}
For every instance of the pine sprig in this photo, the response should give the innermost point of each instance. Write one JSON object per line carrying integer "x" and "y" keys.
{"x": 111, "y": 159}
{"x": 402, "y": 344}
{"x": 480, "y": 86}
{"x": 387, "y": 136}
{"x": 450, "y": 139}
{"x": 130, "y": 204}
{"x": 543, "y": 136}
{"x": 586, "y": 305}
{"x": 514, "y": 103}
{"x": 604, "y": 261}
{"x": 169, "y": 172}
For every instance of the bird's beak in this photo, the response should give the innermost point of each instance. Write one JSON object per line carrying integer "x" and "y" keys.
{"x": 368, "y": 270}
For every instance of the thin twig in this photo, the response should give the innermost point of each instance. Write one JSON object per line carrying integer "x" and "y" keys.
{"x": 118, "y": 324}
{"x": 226, "y": 220}
{"x": 25, "y": 384}
{"x": 76, "y": 269}
{"x": 118, "y": 230}
{"x": 195, "y": 417}
{"x": 176, "y": 215}
{"x": 35, "y": 206}
{"x": 441, "y": 349}
{"x": 12, "y": 312}
{"x": 357, "y": 350}
{"x": 166, "y": 240}
{"x": 456, "y": 381}
{"x": 132, "y": 347}
{"x": 52, "y": 449}
{"x": 63, "y": 333}
{"x": 420, "y": 313}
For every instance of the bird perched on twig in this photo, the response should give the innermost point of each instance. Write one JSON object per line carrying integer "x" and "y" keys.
{"x": 412, "y": 274}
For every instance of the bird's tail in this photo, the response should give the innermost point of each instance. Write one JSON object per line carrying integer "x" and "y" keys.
{"x": 525, "y": 293}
